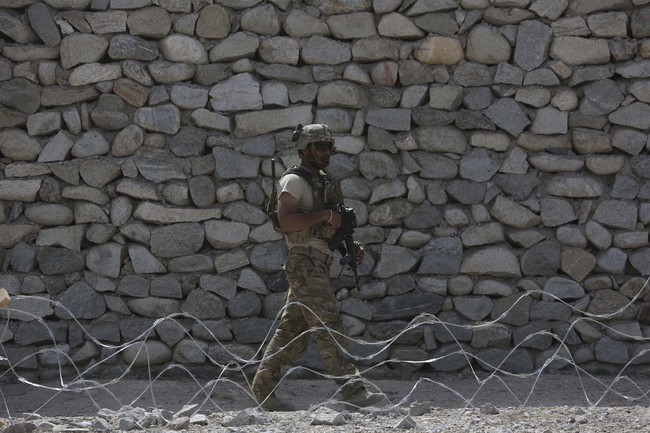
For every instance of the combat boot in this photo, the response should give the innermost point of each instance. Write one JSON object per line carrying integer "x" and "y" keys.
{"x": 273, "y": 403}
{"x": 364, "y": 398}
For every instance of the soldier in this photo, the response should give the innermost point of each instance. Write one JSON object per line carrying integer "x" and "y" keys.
{"x": 306, "y": 210}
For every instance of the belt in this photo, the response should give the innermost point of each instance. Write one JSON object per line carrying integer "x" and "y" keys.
{"x": 312, "y": 252}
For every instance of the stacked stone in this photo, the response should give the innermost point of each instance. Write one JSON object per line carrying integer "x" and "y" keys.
{"x": 494, "y": 152}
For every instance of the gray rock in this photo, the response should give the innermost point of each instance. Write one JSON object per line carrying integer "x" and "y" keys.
{"x": 441, "y": 139}
{"x": 268, "y": 257}
{"x": 394, "y": 260}
{"x": 213, "y": 23}
{"x": 251, "y": 280}
{"x": 397, "y": 119}
{"x": 407, "y": 306}
{"x": 579, "y": 51}
{"x": 478, "y": 165}
{"x": 617, "y": 214}
{"x": 541, "y": 77}
{"x": 469, "y": 74}
{"x": 519, "y": 361}
{"x": 611, "y": 351}
{"x": 194, "y": 263}
{"x": 508, "y": 115}
{"x": 202, "y": 191}
{"x": 164, "y": 118}
{"x": 494, "y": 335}
{"x": 244, "y": 304}
{"x": 251, "y": 330}
{"x": 23, "y": 258}
{"x": 612, "y": 261}
{"x": 612, "y": 304}
{"x": 241, "y": 92}
{"x": 204, "y": 305}
{"x": 633, "y": 115}
{"x": 81, "y": 302}
{"x": 150, "y": 212}
{"x": 466, "y": 192}
{"x": 187, "y": 351}
{"x": 638, "y": 23}
{"x": 26, "y": 310}
{"x": 639, "y": 260}
{"x": 67, "y": 237}
{"x": 513, "y": 214}
{"x": 158, "y": 166}
{"x": 551, "y": 9}
{"x": 150, "y": 22}
{"x": 43, "y": 123}
{"x": 19, "y": 146}
{"x": 321, "y": 50}
{"x": 265, "y": 121}
{"x": 513, "y": 309}
{"x": 164, "y": 72}
{"x": 52, "y": 260}
{"x": 226, "y": 234}
{"x": 143, "y": 261}
{"x": 16, "y": 29}
{"x": 177, "y": 240}
{"x": 128, "y": 47}
{"x": 374, "y": 49}
{"x": 541, "y": 259}
{"x": 106, "y": 259}
{"x": 487, "y": 45}
{"x": 574, "y": 186}
{"x": 556, "y": 163}
{"x": 144, "y": 353}
{"x": 486, "y": 234}
{"x": 352, "y": 26}
{"x": 474, "y": 308}
{"x": 154, "y": 307}
{"x": 492, "y": 288}
{"x": 508, "y": 74}
{"x": 601, "y": 97}
{"x": 299, "y": 24}
{"x": 577, "y": 263}
{"x": 211, "y": 330}
{"x": 49, "y": 214}
{"x": 166, "y": 286}
{"x": 491, "y": 261}
{"x": 139, "y": 189}
{"x": 441, "y": 23}
{"x": 556, "y": 212}
{"x": 598, "y": 235}
{"x": 79, "y": 48}
{"x": 262, "y": 20}
{"x": 436, "y": 167}
{"x": 550, "y": 121}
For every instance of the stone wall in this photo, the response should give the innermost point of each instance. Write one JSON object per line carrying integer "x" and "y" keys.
{"x": 495, "y": 153}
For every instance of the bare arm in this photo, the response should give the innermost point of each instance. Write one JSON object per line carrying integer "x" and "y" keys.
{"x": 291, "y": 220}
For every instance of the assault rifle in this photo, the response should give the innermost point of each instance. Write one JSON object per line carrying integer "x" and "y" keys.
{"x": 343, "y": 241}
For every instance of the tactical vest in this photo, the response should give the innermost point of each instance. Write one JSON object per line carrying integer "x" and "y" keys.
{"x": 327, "y": 195}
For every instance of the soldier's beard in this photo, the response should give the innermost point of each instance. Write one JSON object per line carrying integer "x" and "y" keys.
{"x": 313, "y": 162}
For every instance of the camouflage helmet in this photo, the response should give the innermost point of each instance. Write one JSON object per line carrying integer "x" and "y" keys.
{"x": 316, "y": 132}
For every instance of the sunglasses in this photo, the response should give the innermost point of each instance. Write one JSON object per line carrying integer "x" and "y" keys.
{"x": 323, "y": 145}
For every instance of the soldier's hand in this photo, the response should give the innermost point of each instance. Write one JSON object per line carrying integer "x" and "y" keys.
{"x": 333, "y": 218}
{"x": 361, "y": 252}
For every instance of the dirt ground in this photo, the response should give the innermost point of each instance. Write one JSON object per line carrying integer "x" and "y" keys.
{"x": 447, "y": 391}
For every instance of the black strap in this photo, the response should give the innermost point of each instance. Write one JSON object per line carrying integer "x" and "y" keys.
{"x": 300, "y": 171}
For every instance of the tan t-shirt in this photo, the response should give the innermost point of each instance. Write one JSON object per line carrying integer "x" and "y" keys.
{"x": 300, "y": 189}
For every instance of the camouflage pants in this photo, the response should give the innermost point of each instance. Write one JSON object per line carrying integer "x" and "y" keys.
{"x": 309, "y": 286}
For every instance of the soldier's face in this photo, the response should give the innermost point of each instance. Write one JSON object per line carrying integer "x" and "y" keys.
{"x": 319, "y": 153}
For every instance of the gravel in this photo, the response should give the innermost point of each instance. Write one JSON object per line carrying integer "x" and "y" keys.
{"x": 486, "y": 419}
{"x": 550, "y": 403}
